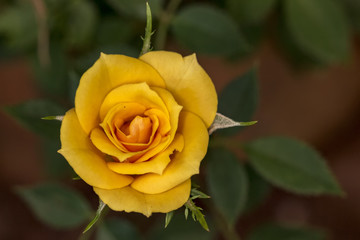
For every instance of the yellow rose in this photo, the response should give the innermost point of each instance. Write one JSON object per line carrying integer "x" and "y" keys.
{"x": 139, "y": 129}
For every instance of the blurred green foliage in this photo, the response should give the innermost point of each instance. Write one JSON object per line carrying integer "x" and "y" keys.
{"x": 243, "y": 89}
{"x": 291, "y": 165}
{"x": 29, "y": 114}
{"x": 56, "y": 205}
{"x": 116, "y": 228}
{"x": 229, "y": 172}
{"x": 208, "y": 30}
{"x": 319, "y": 30}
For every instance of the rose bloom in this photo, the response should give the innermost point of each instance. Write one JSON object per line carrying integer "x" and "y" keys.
{"x": 139, "y": 129}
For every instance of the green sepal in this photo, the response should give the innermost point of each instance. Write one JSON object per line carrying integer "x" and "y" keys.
{"x": 195, "y": 193}
{"x": 168, "y": 218}
{"x": 58, "y": 118}
{"x": 196, "y": 214}
{"x": 100, "y": 209}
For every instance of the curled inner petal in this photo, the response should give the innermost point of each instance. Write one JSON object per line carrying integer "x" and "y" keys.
{"x": 155, "y": 165}
{"x": 138, "y": 122}
{"x": 136, "y": 131}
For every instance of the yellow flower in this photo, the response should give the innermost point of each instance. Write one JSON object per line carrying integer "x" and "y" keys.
{"x": 139, "y": 129}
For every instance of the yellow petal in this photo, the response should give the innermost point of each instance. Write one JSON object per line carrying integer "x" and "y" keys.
{"x": 155, "y": 134}
{"x": 109, "y": 72}
{"x": 187, "y": 81}
{"x": 139, "y": 93}
{"x": 138, "y": 131}
{"x": 155, "y": 165}
{"x": 173, "y": 107}
{"x": 102, "y": 142}
{"x": 116, "y": 116}
{"x": 158, "y": 101}
{"x": 129, "y": 200}
{"x": 154, "y": 149}
{"x": 84, "y": 158}
{"x": 184, "y": 164}
{"x": 159, "y": 118}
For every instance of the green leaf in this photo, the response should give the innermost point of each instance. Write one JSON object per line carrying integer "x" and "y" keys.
{"x": 208, "y": 30}
{"x": 100, "y": 209}
{"x": 277, "y": 232}
{"x": 82, "y": 20}
{"x": 319, "y": 28}
{"x": 54, "y": 163}
{"x": 117, "y": 228}
{"x": 180, "y": 229}
{"x": 135, "y": 8}
{"x": 52, "y": 79}
{"x": 292, "y": 165}
{"x": 296, "y": 56}
{"x": 258, "y": 189}
{"x": 353, "y": 10}
{"x": 168, "y": 218}
{"x": 56, "y": 205}
{"x": 29, "y": 115}
{"x": 239, "y": 99}
{"x": 250, "y": 12}
{"x": 227, "y": 182}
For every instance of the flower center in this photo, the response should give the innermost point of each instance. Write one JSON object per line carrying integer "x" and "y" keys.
{"x": 138, "y": 130}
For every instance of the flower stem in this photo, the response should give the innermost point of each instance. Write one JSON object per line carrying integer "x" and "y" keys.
{"x": 164, "y": 22}
{"x": 148, "y": 31}
{"x": 228, "y": 231}
{"x": 43, "y": 32}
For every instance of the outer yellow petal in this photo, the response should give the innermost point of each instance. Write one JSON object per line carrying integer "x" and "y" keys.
{"x": 129, "y": 200}
{"x": 187, "y": 81}
{"x": 155, "y": 165}
{"x": 84, "y": 158}
{"x": 109, "y": 72}
{"x": 185, "y": 163}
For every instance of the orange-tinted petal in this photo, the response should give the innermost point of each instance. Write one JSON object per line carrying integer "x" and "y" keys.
{"x": 173, "y": 107}
{"x": 102, "y": 142}
{"x": 139, "y": 93}
{"x": 184, "y": 164}
{"x": 157, "y": 164}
